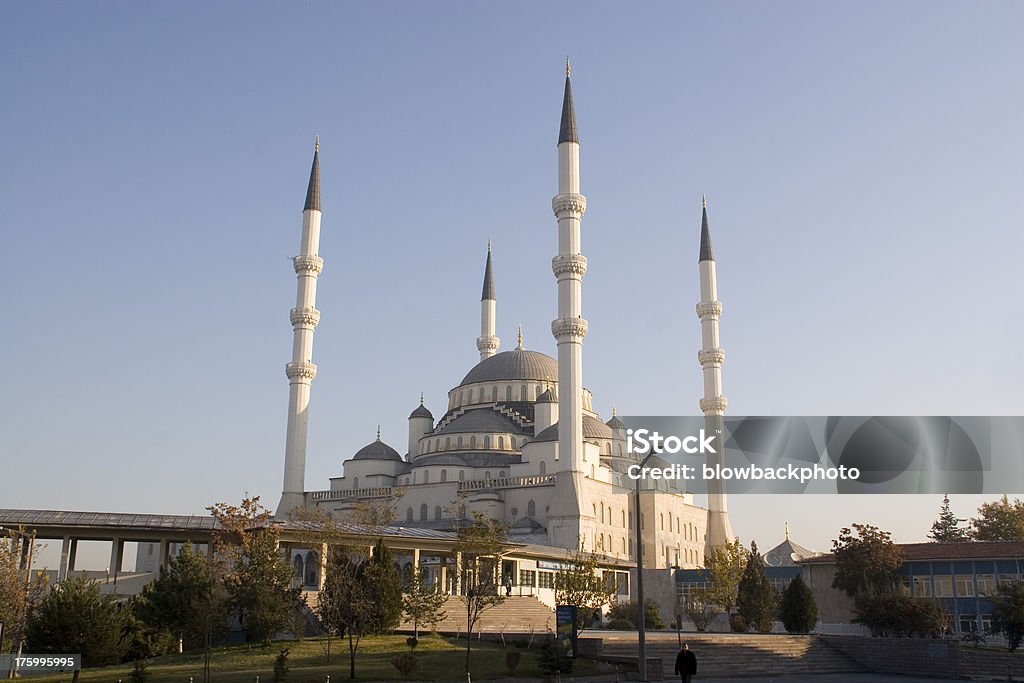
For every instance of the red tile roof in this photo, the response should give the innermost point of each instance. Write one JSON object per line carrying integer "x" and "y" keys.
{"x": 919, "y": 552}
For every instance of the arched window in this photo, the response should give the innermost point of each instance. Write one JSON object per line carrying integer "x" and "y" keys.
{"x": 536, "y": 392}
{"x": 408, "y": 514}
{"x": 487, "y": 475}
{"x": 423, "y": 512}
{"x": 444, "y": 475}
{"x": 355, "y": 482}
{"x": 522, "y": 393}
{"x": 447, "y": 442}
{"x": 661, "y": 519}
{"x": 595, "y": 509}
{"x": 437, "y": 513}
{"x": 592, "y": 472}
{"x": 602, "y": 513}
{"x": 601, "y": 542}
{"x": 508, "y": 393}
{"x": 459, "y": 445}
{"x": 678, "y": 527}
{"x": 481, "y": 395}
{"x": 312, "y": 565}
{"x": 623, "y": 518}
{"x": 460, "y": 398}
{"x": 501, "y": 443}
{"x": 462, "y": 475}
{"x": 297, "y": 567}
{"x": 494, "y": 394}
{"x": 543, "y": 467}
{"x": 618, "y": 449}
{"x": 426, "y": 476}
{"x": 623, "y": 545}
{"x": 487, "y": 442}
{"x": 515, "y": 513}
{"x": 472, "y": 442}
{"x": 531, "y": 509}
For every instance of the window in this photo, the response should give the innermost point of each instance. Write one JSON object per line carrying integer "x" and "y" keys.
{"x": 494, "y": 394}
{"x": 423, "y": 512}
{"x": 602, "y": 513}
{"x": 459, "y": 443}
{"x": 472, "y": 442}
{"x": 964, "y": 586}
{"x": 662, "y": 519}
{"x": 1007, "y": 578}
{"x": 437, "y": 513}
{"x": 527, "y": 577}
{"x": 968, "y": 622}
{"x": 922, "y": 587}
{"x": 447, "y": 442}
{"x": 462, "y": 512}
{"x": 522, "y": 393}
{"x": 536, "y": 393}
{"x": 508, "y": 393}
{"x": 543, "y": 467}
{"x": 408, "y": 514}
{"x": 515, "y": 513}
{"x": 944, "y": 586}
{"x": 487, "y": 475}
{"x": 545, "y": 579}
{"x": 444, "y": 475}
{"x": 481, "y": 394}
{"x": 150, "y": 550}
{"x": 623, "y": 518}
{"x": 986, "y": 622}
{"x": 501, "y": 443}
{"x": 623, "y": 545}
{"x": 487, "y": 442}
{"x": 986, "y": 584}
{"x": 531, "y": 509}
{"x": 355, "y": 482}
{"x": 462, "y": 475}
{"x": 426, "y": 476}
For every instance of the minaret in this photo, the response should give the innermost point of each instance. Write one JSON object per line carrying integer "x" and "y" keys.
{"x": 711, "y": 357}
{"x": 487, "y": 343}
{"x": 300, "y": 370}
{"x": 569, "y": 329}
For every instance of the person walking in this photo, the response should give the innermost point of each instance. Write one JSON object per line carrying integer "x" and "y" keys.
{"x": 686, "y": 664}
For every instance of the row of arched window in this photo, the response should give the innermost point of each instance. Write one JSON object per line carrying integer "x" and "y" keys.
{"x": 492, "y": 394}
{"x": 438, "y": 513}
{"x": 607, "y": 516}
{"x": 434, "y": 446}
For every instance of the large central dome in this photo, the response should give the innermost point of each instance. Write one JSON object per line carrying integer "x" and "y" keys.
{"x": 517, "y": 364}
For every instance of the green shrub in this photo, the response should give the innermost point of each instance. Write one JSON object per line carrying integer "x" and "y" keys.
{"x": 512, "y": 658}
{"x": 405, "y": 663}
{"x": 281, "y": 667}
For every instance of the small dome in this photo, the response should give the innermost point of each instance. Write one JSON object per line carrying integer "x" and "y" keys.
{"x": 592, "y": 429}
{"x": 615, "y": 423}
{"x": 421, "y": 411}
{"x": 517, "y": 364}
{"x": 378, "y": 450}
{"x": 546, "y": 397}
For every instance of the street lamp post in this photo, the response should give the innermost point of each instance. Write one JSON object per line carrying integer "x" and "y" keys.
{"x": 641, "y": 618}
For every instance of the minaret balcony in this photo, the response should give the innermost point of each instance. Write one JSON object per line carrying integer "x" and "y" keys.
{"x": 573, "y": 264}
{"x": 709, "y": 309}
{"x": 712, "y": 357}
{"x": 569, "y": 328}
{"x": 570, "y": 203}
{"x": 308, "y": 264}
{"x": 303, "y": 370}
{"x": 715, "y": 405}
{"x": 306, "y": 316}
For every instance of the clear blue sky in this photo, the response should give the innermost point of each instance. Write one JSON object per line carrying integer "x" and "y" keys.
{"x": 862, "y": 165}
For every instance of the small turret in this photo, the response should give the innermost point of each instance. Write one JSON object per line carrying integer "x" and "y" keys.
{"x": 421, "y": 422}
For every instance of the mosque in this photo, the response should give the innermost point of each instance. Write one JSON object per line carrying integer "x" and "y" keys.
{"x": 518, "y": 440}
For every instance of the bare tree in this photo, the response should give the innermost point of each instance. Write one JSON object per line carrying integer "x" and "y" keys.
{"x": 479, "y": 546}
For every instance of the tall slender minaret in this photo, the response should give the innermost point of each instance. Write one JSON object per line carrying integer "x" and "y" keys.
{"x": 300, "y": 370}
{"x": 569, "y": 329}
{"x": 711, "y": 356}
{"x": 487, "y": 343}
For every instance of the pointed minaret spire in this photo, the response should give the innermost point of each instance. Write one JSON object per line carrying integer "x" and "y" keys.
{"x": 567, "y": 131}
{"x": 378, "y": 432}
{"x": 313, "y": 191}
{"x": 706, "y": 253}
{"x": 787, "y": 531}
{"x": 487, "y": 343}
{"x": 520, "y": 337}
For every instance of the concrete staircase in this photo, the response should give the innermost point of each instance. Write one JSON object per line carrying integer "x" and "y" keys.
{"x": 732, "y": 654}
{"x": 518, "y": 615}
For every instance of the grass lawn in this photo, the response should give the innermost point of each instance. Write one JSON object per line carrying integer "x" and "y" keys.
{"x": 440, "y": 659}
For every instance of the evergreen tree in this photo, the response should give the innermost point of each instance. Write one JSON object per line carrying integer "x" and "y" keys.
{"x": 946, "y": 528}
{"x": 725, "y": 567}
{"x": 798, "y": 610}
{"x": 1008, "y": 613}
{"x": 383, "y": 588}
{"x": 756, "y": 598}
{"x": 186, "y": 600}
{"x": 76, "y": 617}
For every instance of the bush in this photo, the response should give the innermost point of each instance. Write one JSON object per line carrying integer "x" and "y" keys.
{"x": 737, "y": 623}
{"x": 412, "y": 642}
{"x": 512, "y": 660}
{"x": 900, "y": 616}
{"x": 622, "y": 616}
{"x": 553, "y": 659}
{"x": 281, "y": 667}
{"x": 139, "y": 673}
{"x": 405, "y": 663}
{"x": 798, "y": 611}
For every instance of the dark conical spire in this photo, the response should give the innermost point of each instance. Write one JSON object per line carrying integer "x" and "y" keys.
{"x": 706, "y": 253}
{"x": 567, "y": 132}
{"x": 488, "y": 292}
{"x": 313, "y": 191}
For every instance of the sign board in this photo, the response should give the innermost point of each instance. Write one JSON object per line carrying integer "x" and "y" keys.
{"x": 565, "y": 627}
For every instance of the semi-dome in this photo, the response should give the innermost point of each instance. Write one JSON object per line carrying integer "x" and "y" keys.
{"x": 481, "y": 420}
{"x": 517, "y": 364}
{"x": 378, "y": 450}
{"x": 592, "y": 429}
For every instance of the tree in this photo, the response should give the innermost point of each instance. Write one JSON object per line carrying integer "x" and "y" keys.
{"x": 422, "y": 603}
{"x": 798, "y": 610}
{"x": 580, "y": 583}
{"x": 724, "y": 567}
{"x": 376, "y": 512}
{"x": 185, "y": 600}
{"x": 76, "y": 617}
{"x": 383, "y": 588}
{"x": 756, "y": 598}
{"x": 622, "y": 615}
{"x": 946, "y": 529}
{"x": 257, "y": 577}
{"x": 866, "y": 562}
{"x": 1008, "y": 613}
{"x": 895, "y": 614}
{"x": 21, "y": 590}
{"x": 479, "y": 546}
{"x": 1000, "y": 520}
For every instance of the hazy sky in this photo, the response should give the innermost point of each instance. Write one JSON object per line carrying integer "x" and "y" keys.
{"x": 863, "y": 166}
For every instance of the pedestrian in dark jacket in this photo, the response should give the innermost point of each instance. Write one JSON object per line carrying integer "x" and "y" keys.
{"x": 686, "y": 663}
